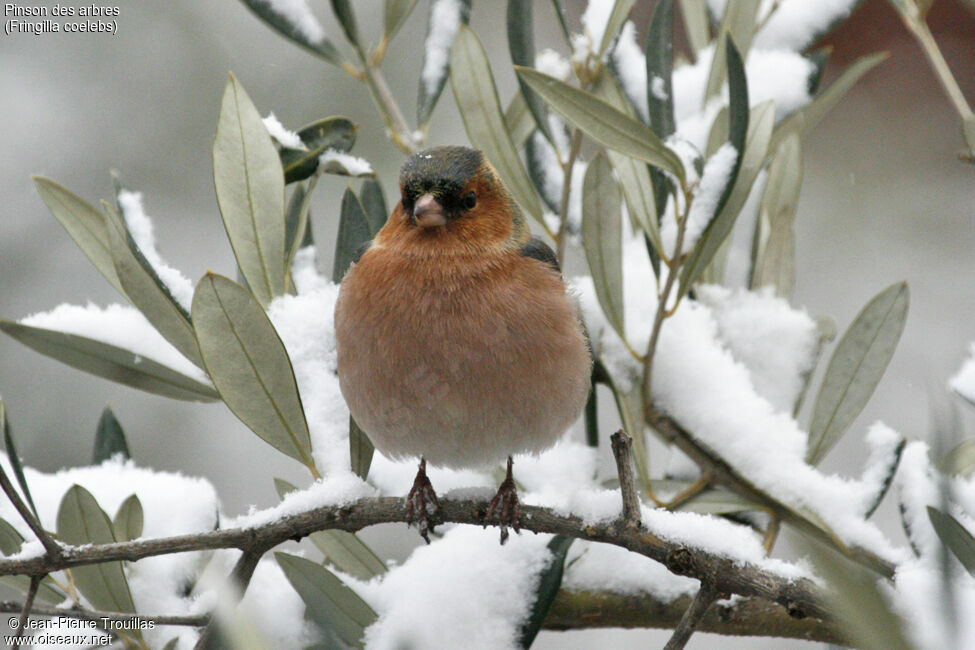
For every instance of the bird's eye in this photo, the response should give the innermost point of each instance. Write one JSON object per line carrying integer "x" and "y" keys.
{"x": 470, "y": 200}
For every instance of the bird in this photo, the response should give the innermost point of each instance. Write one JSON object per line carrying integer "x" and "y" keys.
{"x": 457, "y": 340}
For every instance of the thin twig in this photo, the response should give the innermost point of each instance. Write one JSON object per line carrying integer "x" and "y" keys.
{"x": 25, "y": 609}
{"x": 691, "y": 491}
{"x": 240, "y": 578}
{"x": 801, "y": 596}
{"x": 703, "y": 600}
{"x": 624, "y": 467}
{"x": 194, "y": 620}
{"x": 567, "y": 168}
{"x": 399, "y": 131}
{"x": 53, "y": 548}
{"x": 771, "y": 532}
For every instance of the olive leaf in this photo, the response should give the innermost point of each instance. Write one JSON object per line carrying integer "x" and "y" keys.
{"x": 602, "y": 238}
{"x": 109, "y": 438}
{"x": 318, "y": 44}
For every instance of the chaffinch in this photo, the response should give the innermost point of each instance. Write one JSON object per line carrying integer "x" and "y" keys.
{"x": 457, "y": 341}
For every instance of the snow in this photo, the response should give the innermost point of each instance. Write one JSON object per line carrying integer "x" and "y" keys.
{"x": 963, "y": 382}
{"x": 300, "y": 16}
{"x": 497, "y": 582}
{"x": 658, "y": 88}
{"x": 445, "y": 20}
{"x": 631, "y": 68}
{"x": 140, "y": 227}
{"x": 553, "y": 64}
{"x": 714, "y": 180}
{"x": 797, "y": 23}
{"x": 117, "y": 325}
{"x": 775, "y": 342}
{"x": 279, "y": 132}
{"x": 594, "y": 20}
{"x": 603, "y": 567}
{"x": 341, "y": 489}
{"x": 354, "y": 165}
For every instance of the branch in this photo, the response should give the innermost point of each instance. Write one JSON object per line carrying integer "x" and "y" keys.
{"x": 53, "y": 548}
{"x": 240, "y": 578}
{"x": 703, "y": 599}
{"x": 577, "y": 610}
{"x": 624, "y": 467}
{"x": 671, "y": 431}
{"x": 196, "y": 620}
{"x": 800, "y": 597}
{"x": 25, "y": 610}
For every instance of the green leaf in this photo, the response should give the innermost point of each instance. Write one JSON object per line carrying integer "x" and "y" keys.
{"x": 338, "y": 611}
{"x": 349, "y": 554}
{"x": 250, "y": 366}
{"x": 660, "y": 65}
{"x": 129, "y": 520}
{"x": 374, "y": 204}
{"x": 295, "y": 222}
{"x": 109, "y": 438}
{"x": 353, "y": 232}
{"x": 890, "y": 468}
{"x": 809, "y": 116}
{"x": 329, "y": 133}
{"x": 283, "y": 487}
{"x": 855, "y": 369}
{"x": 111, "y": 362}
{"x": 396, "y": 13}
{"x": 14, "y": 457}
{"x": 781, "y": 196}
{"x": 477, "y": 100}
{"x": 549, "y": 583}
{"x": 518, "y": 120}
{"x": 521, "y": 47}
{"x": 696, "y": 22}
{"x": 775, "y": 238}
{"x": 960, "y": 460}
{"x": 250, "y": 192}
{"x": 149, "y": 294}
{"x": 602, "y": 238}
{"x": 603, "y": 123}
{"x": 82, "y": 521}
{"x": 560, "y": 17}
{"x": 634, "y": 175}
{"x": 968, "y": 130}
{"x": 264, "y": 9}
{"x": 737, "y": 24}
{"x": 346, "y": 17}
{"x": 723, "y": 220}
{"x": 85, "y": 225}
{"x": 955, "y": 537}
{"x": 10, "y": 539}
{"x": 621, "y": 9}
{"x": 360, "y": 449}
{"x": 776, "y": 266}
{"x": 431, "y": 88}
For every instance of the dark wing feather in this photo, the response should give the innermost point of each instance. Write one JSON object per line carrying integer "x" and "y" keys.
{"x": 539, "y": 250}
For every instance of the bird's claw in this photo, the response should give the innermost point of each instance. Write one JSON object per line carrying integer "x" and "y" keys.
{"x": 505, "y": 502}
{"x": 422, "y": 505}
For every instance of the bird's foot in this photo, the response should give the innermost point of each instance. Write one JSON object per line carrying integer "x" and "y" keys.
{"x": 507, "y": 506}
{"x": 422, "y": 505}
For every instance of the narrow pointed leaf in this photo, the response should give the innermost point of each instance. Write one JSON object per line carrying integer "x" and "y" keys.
{"x": 477, "y": 99}
{"x": 518, "y": 120}
{"x": 346, "y": 17}
{"x": 660, "y": 70}
{"x": 737, "y": 24}
{"x": 548, "y": 587}
{"x": 349, "y": 554}
{"x": 521, "y": 47}
{"x": 111, "y": 362}
{"x": 11, "y": 542}
{"x": 855, "y": 369}
{"x": 621, "y": 10}
{"x": 249, "y": 365}
{"x": 308, "y": 38}
{"x": 560, "y": 17}
{"x": 10, "y": 539}
{"x": 82, "y": 521}
{"x": 374, "y": 204}
{"x": 781, "y": 196}
{"x": 889, "y": 470}
{"x": 395, "y": 14}
{"x": 295, "y": 221}
{"x": 954, "y": 536}
{"x": 960, "y": 460}
{"x": 85, "y": 225}
{"x": 337, "y": 610}
{"x": 696, "y": 22}
{"x": 724, "y": 218}
{"x": 602, "y": 238}
{"x": 149, "y": 294}
{"x": 353, "y": 232}
{"x": 809, "y": 116}
{"x": 435, "y": 67}
{"x": 776, "y": 267}
{"x": 109, "y": 438}
{"x": 129, "y": 520}
{"x": 603, "y": 123}
{"x": 328, "y": 133}
{"x": 14, "y": 458}
{"x": 249, "y": 181}
{"x": 360, "y": 449}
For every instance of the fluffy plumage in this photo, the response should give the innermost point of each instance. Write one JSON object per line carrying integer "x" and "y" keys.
{"x": 457, "y": 341}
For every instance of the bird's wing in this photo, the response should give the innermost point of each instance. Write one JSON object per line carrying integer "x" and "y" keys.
{"x": 363, "y": 247}
{"x": 539, "y": 250}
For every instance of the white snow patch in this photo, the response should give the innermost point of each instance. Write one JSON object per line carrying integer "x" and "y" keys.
{"x": 631, "y": 68}
{"x": 300, "y": 16}
{"x": 140, "y": 227}
{"x": 354, "y": 165}
{"x": 283, "y": 135}
{"x": 714, "y": 179}
{"x": 550, "y": 62}
{"x": 445, "y": 20}
{"x": 797, "y": 23}
{"x": 963, "y": 381}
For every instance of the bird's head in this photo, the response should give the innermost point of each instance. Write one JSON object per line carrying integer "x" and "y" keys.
{"x": 452, "y": 194}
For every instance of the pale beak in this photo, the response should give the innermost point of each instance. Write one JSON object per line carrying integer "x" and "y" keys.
{"x": 427, "y": 213}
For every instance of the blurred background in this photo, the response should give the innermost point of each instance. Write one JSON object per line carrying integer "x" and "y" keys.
{"x": 885, "y": 198}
